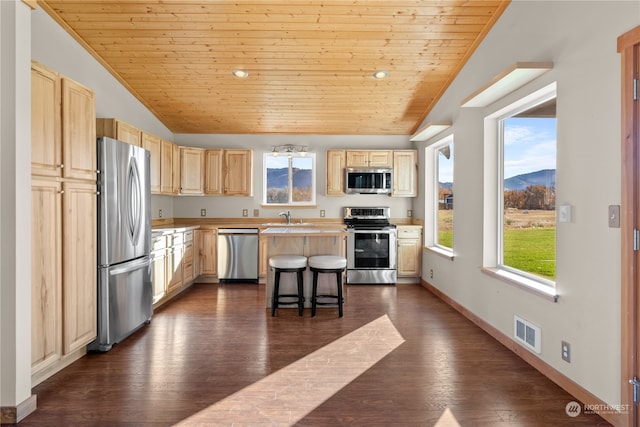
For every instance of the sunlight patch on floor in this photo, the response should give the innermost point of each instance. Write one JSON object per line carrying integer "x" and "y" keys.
{"x": 286, "y": 396}
{"x": 447, "y": 420}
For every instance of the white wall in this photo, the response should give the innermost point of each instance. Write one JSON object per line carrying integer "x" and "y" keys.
{"x": 580, "y": 38}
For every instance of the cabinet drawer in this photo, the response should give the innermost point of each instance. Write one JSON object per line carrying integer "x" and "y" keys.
{"x": 158, "y": 243}
{"x": 409, "y": 232}
{"x": 188, "y": 236}
{"x": 177, "y": 239}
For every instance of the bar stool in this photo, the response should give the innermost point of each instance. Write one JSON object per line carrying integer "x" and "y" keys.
{"x": 288, "y": 264}
{"x": 327, "y": 264}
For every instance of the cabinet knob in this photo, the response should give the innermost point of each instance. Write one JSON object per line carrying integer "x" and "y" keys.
{"x": 60, "y": 165}
{"x": 61, "y": 192}
{"x": 98, "y": 193}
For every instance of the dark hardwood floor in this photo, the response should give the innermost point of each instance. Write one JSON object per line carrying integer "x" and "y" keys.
{"x": 214, "y": 341}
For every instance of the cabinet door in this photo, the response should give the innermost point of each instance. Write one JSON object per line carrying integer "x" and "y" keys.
{"x": 166, "y": 167}
{"x": 213, "y": 172}
{"x": 191, "y": 170}
{"x": 357, "y": 158}
{"x": 153, "y": 144}
{"x": 408, "y": 258}
{"x": 380, "y": 158}
{"x": 263, "y": 259}
{"x": 174, "y": 267}
{"x": 79, "y": 264}
{"x": 159, "y": 274}
{"x": 238, "y": 171}
{"x": 336, "y": 163}
{"x": 187, "y": 265}
{"x": 175, "y": 170}
{"x": 78, "y": 131}
{"x": 405, "y": 173}
{"x": 46, "y": 137}
{"x": 46, "y": 274}
{"x": 209, "y": 259}
{"x": 197, "y": 252}
{"x": 127, "y": 133}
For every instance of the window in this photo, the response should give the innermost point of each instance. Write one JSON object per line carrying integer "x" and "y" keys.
{"x": 526, "y": 229}
{"x": 439, "y": 196}
{"x": 289, "y": 179}
{"x": 443, "y": 168}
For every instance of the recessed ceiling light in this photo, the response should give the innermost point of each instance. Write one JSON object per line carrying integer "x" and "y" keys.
{"x": 380, "y": 75}
{"x": 241, "y": 74}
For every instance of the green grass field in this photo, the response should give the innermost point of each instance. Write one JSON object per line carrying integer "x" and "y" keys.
{"x": 528, "y": 246}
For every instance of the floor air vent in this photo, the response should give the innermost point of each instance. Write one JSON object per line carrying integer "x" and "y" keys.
{"x": 527, "y": 333}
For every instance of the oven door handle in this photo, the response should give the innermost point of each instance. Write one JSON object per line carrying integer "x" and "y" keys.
{"x": 358, "y": 250}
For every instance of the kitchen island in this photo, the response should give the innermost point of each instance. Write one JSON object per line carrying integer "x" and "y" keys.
{"x": 306, "y": 241}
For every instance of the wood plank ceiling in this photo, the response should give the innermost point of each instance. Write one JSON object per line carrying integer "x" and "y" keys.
{"x": 310, "y": 63}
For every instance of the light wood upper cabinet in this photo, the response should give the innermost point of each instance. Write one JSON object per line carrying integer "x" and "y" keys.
{"x": 166, "y": 167}
{"x": 62, "y": 126}
{"x": 336, "y": 162}
{"x": 78, "y": 131}
{"x": 405, "y": 173}
{"x": 213, "y": 172}
{"x": 229, "y": 172}
{"x": 238, "y": 173}
{"x": 191, "y": 170}
{"x": 79, "y": 264}
{"x": 175, "y": 170}
{"x": 117, "y": 129}
{"x": 369, "y": 158}
{"x": 46, "y": 273}
{"x": 46, "y": 134}
{"x": 153, "y": 144}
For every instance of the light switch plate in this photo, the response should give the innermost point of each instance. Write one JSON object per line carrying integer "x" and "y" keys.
{"x": 564, "y": 213}
{"x": 614, "y": 216}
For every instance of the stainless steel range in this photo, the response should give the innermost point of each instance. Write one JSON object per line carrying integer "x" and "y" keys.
{"x": 371, "y": 245}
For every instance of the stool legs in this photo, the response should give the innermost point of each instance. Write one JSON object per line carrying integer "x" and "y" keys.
{"x": 314, "y": 290}
{"x": 275, "y": 300}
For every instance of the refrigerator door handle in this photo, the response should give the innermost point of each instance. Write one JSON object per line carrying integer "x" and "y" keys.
{"x": 134, "y": 201}
{"x": 130, "y": 266}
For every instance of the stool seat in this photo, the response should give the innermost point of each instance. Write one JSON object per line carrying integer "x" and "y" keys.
{"x": 288, "y": 264}
{"x": 327, "y": 262}
{"x": 288, "y": 261}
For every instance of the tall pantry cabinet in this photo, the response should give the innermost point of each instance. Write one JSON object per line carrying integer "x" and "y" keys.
{"x": 63, "y": 222}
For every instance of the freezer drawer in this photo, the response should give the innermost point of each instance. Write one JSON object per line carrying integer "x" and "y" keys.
{"x": 125, "y": 301}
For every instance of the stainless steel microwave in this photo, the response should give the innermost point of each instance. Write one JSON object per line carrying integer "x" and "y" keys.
{"x": 368, "y": 180}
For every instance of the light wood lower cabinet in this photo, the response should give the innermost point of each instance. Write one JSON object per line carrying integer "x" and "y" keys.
{"x": 174, "y": 263}
{"x": 46, "y": 273}
{"x": 159, "y": 267}
{"x": 409, "y": 250}
{"x": 208, "y": 252}
{"x": 263, "y": 259}
{"x": 187, "y": 259}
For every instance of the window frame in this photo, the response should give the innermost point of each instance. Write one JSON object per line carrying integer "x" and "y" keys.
{"x": 290, "y": 157}
{"x": 431, "y": 196}
{"x": 493, "y": 230}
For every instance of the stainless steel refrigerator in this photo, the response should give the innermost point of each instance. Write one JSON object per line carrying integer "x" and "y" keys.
{"x": 125, "y": 290}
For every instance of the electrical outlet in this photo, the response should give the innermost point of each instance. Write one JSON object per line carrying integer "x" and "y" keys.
{"x": 203, "y": 212}
{"x": 159, "y": 213}
{"x": 614, "y": 216}
{"x": 245, "y": 212}
{"x": 566, "y": 351}
{"x": 322, "y": 213}
{"x": 431, "y": 273}
{"x": 256, "y": 212}
{"x": 409, "y": 213}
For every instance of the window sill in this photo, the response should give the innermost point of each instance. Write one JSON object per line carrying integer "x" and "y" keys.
{"x": 440, "y": 251}
{"x": 523, "y": 283}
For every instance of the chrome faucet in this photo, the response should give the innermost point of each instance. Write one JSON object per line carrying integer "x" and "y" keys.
{"x": 286, "y": 215}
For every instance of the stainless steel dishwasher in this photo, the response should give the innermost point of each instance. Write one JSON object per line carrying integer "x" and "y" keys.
{"x": 238, "y": 254}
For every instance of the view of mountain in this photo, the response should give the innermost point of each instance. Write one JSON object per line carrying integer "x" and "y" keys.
{"x": 277, "y": 178}
{"x": 545, "y": 177}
